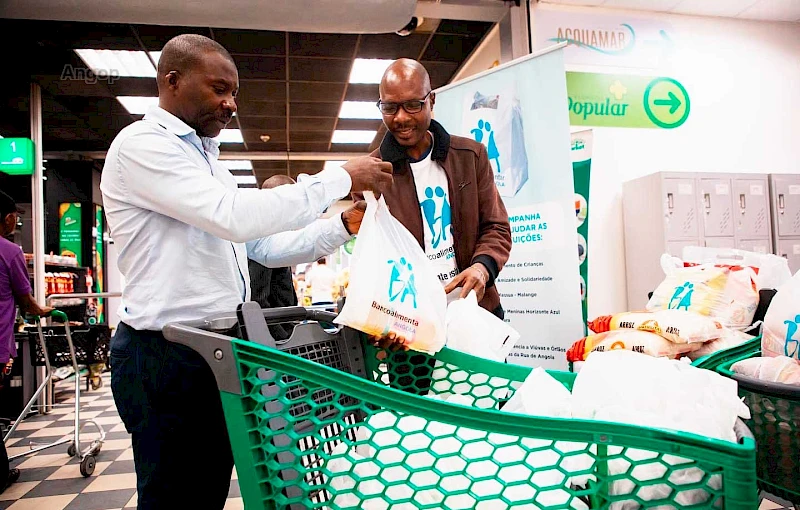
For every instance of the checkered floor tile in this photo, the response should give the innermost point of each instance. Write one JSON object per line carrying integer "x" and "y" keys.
{"x": 51, "y": 480}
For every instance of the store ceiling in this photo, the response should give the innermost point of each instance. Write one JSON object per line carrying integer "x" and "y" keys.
{"x": 291, "y": 85}
{"x": 768, "y": 10}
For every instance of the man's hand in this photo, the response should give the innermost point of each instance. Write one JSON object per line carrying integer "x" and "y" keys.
{"x": 8, "y": 366}
{"x": 352, "y": 217}
{"x": 390, "y": 341}
{"x": 369, "y": 174}
{"x": 472, "y": 278}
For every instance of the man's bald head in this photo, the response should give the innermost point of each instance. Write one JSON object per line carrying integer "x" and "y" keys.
{"x": 277, "y": 180}
{"x": 406, "y": 72}
{"x": 184, "y": 53}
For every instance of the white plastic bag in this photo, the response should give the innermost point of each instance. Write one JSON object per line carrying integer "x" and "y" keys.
{"x": 476, "y": 331}
{"x": 781, "y": 334}
{"x": 393, "y": 287}
{"x": 773, "y": 271}
{"x": 778, "y": 370}
{"x": 729, "y": 338}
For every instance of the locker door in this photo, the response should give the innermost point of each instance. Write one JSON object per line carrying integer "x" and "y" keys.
{"x": 755, "y": 245}
{"x": 720, "y": 242}
{"x": 680, "y": 209}
{"x": 790, "y": 249}
{"x": 751, "y": 208}
{"x": 715, "y": 200}
{"x": 786, "y": 195}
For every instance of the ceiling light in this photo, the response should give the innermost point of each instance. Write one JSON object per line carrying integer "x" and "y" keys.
{"x": 230, "y": 136}
{"x": 120, "y": 62}
{"x": 245, "y": 179}
{"x": 237, "y": 164}
{"x": 265, "y": 138}
{"x": 333, "y": 164}
{"x": 353, "y": 136}
{"x": 137, "y": 105}
{"x": 359, "y": 110}
{"x": 368, "y": 70}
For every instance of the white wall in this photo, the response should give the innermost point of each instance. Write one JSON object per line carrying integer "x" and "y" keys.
{"x": 743, "y": 78}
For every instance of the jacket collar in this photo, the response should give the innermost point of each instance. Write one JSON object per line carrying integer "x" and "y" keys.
{"x": 395, "y": 153}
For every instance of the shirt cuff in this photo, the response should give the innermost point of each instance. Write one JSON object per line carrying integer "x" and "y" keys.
{"x": 336, "y": 181}
{"x": 336, "y": 230}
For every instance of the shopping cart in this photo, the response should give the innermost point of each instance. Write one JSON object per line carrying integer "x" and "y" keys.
{"x": 51, "y": 358}
{"x": 775, "y": 422}
{"x": 328, "y": 421}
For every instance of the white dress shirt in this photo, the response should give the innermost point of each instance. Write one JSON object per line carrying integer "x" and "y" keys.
{"x": 185, "y": 231}
{"x": 322, "y": 279}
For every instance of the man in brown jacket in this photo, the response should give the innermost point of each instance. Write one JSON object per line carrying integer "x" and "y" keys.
{"x": 443, "y": 190}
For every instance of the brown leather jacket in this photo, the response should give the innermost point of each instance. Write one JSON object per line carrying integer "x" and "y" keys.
{"x": 481, "y": 231}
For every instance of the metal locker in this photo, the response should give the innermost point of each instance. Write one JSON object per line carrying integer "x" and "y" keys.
{"x": 715, "y": 200}
{"x": 680, "y": 209}
{"x": 751, "y": 208}
{"x": 790, "y": 250}
{"x": 720, "y": 242}
{"x": 755, "y": 245}
{"x": 786, "y": 204}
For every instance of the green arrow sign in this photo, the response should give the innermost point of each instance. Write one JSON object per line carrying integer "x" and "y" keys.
{"x": 628, "y": 101}
{"x": 16, "y": 156}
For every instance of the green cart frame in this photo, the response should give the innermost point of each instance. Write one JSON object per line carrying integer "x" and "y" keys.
{"x": 298, "y": 429}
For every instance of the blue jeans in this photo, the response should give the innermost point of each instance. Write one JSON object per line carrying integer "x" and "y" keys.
{"x": 168, "y": 399}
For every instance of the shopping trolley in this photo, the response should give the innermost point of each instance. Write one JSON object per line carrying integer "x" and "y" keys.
{"x": 55, "y": 357}
{"x": 775, "y": 421}
{"x": 297, "y": 410}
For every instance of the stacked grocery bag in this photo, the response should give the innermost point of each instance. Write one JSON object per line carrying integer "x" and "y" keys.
{"x": 707, "y": 302}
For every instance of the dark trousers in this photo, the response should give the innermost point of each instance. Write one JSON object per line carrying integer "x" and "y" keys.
{"x": 4, "y": 467}
{"x": 168, "y": 399}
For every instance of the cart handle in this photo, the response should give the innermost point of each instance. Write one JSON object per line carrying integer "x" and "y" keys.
{"x": 58, "y": 314}
{"x": 226, "y": 320}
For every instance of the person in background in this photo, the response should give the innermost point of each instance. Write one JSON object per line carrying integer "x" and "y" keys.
{"x": 185, "y": 232}
{"x": 15, "y": 289}
{"x": 321, "y": 279}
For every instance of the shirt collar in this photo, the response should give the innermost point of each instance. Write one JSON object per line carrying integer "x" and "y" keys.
{"x": 179, "y": 128}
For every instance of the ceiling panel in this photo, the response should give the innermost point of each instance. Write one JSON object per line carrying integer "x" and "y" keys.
{"x": 155, "y": 37}
{"x": 392, "y": 46}
{"x": 310, "y": 146}
{"x": 133, "y": 87}
{"x": 313, "y": 69}
{"x": 359, "y": 124}
{"x": 449, "y": 48}
{"x": 299, "y": 136}
{"x": 265, "y": 68}
{"x": 261, "y": 90}
{"x": 311, "y": 124}
{"x": 314, "y": 109}
{"x": 440, "y": 72}
{"x": 350, "y": 147}
{"x": 253, "y": 136}
{"x": 316, "y": 92}
{"x": 262, "y": 123}
{"x": 362, "y": 92}
{"x": 322, "y": 45}
{"x": 261, "y": 108}
{"x": 251, "y": 42}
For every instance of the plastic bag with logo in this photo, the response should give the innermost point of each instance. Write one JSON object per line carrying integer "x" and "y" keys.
{"x": 781, "y": 334}
{"x": 772, "y": 271}
{"x": 495, "y": 120}
{"x": 393, "y": 287}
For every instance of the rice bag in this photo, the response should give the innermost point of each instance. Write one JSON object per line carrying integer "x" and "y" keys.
{"x": 642, "y": 342}
{"x": 677, "y": 326}
{"x": 728, "y": 294}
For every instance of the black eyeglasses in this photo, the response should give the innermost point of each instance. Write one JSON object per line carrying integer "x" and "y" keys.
{"x": 413, "y": 106}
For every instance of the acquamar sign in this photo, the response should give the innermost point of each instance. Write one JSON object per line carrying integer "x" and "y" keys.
{"x": 612, "y": 100}
{"x": 609, "y": 42}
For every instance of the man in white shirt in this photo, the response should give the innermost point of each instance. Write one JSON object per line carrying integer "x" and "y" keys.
{"x": 185, "y": 233}
{"x": 321, "y": 279}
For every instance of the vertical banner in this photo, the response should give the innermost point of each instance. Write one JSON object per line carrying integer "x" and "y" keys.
{"x": 517, "y": 111}
{"x": 581, "y": 149}
{"x": 70, "y": 240}
{"x": 99, "y": 260}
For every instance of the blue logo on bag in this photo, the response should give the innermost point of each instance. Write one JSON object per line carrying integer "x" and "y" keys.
{"x": 791, "y": 330}
{"x": 401, "y": 282}
{"x": 491, "y": 145}
{"x": 430, "y": 208}
{"x": 684, "y": 292}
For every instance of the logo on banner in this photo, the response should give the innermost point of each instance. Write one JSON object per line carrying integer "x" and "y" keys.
{"x": 437, "y": 214}
{"x": 401, "y": 282}
{"x": 607, "y": 42}
{"x": 491, "y": 144}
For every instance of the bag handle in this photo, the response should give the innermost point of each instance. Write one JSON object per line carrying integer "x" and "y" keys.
{"x": 370, "y": 198}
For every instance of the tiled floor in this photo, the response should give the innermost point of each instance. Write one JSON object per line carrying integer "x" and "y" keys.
{"x": 51, "y": 480}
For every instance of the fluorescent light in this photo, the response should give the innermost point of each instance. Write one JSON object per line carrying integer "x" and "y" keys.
{"x": 230, "y": 136}
{"x": 359, "y": 110}
{"x": 120, "y": 62}
{"x": 368, "y": 70}
{"x": 245, "y": 179}
{"x": 353, "y": 136}
{"x": 333, "y": 164}
{"x": 137, "y": 105}
{"x": 237, "y": 164}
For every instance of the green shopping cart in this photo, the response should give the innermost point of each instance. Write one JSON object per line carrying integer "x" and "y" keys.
{"x": 325, "y": 420}
{"x": 775, "y": 422}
